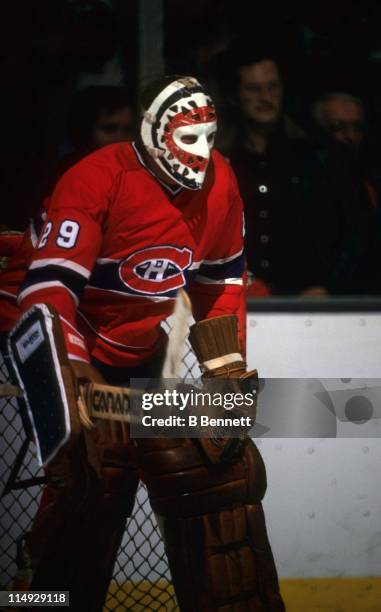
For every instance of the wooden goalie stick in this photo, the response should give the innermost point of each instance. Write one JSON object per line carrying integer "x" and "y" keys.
{"x": 96, "y": 400}
{"x": 8, "y": 390}
{"x": 172, "y": 363}
{"x": 177, "y": 336}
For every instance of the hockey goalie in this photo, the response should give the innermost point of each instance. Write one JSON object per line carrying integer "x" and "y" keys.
{"x": 124, "y": 230}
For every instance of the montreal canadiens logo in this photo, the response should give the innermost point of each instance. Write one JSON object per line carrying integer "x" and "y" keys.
{"x": 155, "y": 270}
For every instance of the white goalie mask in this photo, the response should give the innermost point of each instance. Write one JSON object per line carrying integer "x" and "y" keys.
{"x": 178, "y": 131}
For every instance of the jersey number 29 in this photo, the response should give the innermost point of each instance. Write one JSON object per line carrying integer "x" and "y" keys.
{"x": 66, "y": 236}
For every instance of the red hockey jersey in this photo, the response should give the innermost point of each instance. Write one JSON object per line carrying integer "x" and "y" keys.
{"x": 117, "y": 245}
{"x": 19, "y": 250}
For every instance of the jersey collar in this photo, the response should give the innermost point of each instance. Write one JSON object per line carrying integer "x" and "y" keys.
{"x": 172, "y": 190}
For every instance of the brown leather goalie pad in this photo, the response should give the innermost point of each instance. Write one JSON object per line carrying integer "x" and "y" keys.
{"x": 74, "y": 541}
{"x": 214, "y": 528}
{"x": 77, "y": 530}
{"x": 76, "y": 544}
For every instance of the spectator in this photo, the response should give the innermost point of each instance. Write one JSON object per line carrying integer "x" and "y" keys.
{"x": 101, "y": 115}
{"x": 278, "y": 175}
{"x": 352, "y": 236}
{"x": 340, "y": 118}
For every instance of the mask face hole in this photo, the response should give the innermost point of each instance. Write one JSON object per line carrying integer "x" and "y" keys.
{"x": 189, "y": 139}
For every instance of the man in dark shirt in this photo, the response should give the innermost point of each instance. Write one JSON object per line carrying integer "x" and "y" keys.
{"x": 278, "y": 176}
{"x": 352, "y": 170}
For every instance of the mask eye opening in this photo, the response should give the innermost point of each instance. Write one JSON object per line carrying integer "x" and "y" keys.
{"x": 189, "y": 139}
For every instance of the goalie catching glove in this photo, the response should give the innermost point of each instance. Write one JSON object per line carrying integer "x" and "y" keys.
{"x": 215, "y": 343}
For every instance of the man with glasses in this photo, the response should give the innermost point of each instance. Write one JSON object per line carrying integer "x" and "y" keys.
{"x": 346, "y": 152}
{"x": 342, "y": 117}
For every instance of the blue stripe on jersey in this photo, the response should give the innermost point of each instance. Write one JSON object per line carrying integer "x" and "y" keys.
{"x": 219, "y": 271}
{"x": 106, "y": 276}
{"x": 72, "y": 280}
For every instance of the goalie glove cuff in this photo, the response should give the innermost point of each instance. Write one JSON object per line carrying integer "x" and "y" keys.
{"x": 215, "y": 343}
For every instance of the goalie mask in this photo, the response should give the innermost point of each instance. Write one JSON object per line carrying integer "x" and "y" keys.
{"x": 178, "y": 131}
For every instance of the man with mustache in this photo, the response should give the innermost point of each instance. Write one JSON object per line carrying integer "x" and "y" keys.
{"x": 260, "y": 96}
{"x": 276, "y": 171}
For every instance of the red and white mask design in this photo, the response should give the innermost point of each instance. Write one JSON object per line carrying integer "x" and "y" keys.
{"x": 178, "y": 131}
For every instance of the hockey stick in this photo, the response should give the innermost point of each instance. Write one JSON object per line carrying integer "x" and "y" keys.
{"x": 96, "y": 400}
{"x": 8, "y": 390}
{"x": 177, "y": 336}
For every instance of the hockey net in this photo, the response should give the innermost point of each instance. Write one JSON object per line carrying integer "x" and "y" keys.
{"x": 142, "y": 579}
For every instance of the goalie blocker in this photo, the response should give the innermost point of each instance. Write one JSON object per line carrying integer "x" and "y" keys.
{"x": 39, "y": 358}
{"x": 55, "y": 390}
